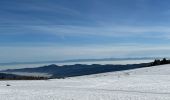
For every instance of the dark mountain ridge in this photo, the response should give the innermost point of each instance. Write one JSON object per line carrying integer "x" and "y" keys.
{"x": 56, "y": 71}
{"x": 77, "y": 69}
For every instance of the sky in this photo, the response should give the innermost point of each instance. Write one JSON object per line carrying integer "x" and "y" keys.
{"x": 44, "y": 30}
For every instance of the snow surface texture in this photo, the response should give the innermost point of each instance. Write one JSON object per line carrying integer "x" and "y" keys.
{"x": 151, "y": 83}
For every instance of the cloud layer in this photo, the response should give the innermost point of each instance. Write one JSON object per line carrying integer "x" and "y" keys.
{"x": 47, "y": 30}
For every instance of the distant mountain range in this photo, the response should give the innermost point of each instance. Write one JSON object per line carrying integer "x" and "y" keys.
{"x": 55, "y": 71}
{"x": 81, "y": 60}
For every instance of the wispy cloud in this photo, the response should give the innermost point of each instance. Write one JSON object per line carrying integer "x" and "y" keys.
{"x": 73, "y": 30}
{"x": 82, "y": 29}
{"x": 117, "y": 31}
{"x": 28, "y": 13}
{"x": 40, "y": 53}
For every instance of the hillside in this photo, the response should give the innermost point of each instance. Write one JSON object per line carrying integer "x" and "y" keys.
{"x": 55, "y": 71}
{"x": 5, "y": 76}
{"x": 151, "y": 83}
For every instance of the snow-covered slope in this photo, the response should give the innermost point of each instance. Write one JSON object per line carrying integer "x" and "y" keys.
{"x": 152, "y": 83}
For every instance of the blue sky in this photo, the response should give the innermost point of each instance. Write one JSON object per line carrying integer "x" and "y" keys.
{"x": 40, "y": 30}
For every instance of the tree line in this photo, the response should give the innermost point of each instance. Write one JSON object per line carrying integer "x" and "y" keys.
{"x": 4, "y": 76}
{"x": 160, "y": 62}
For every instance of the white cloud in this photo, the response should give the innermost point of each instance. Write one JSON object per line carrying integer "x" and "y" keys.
{"x": 158, "y": 32}
{"x": 123, "y": 31}
{"x": 10, "y": 54}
